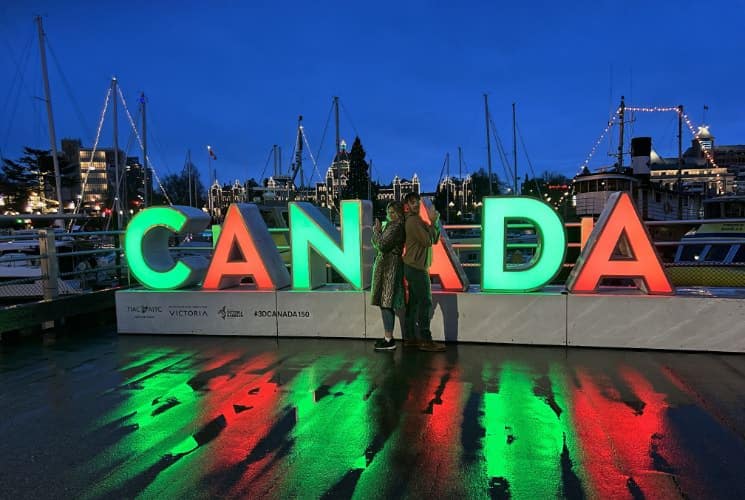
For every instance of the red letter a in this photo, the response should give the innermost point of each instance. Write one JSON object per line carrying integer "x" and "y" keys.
{"x": 641, "y": 262}
{"x": 245, "y": 248}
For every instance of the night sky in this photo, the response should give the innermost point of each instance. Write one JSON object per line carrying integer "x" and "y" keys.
{"x": 410, "y": 76}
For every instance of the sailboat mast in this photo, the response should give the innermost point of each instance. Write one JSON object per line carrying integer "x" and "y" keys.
{"x": 621, "y": 112}
{"x": 188, "y": 175}
{"x": 298, "y": 168}
{"x": 50, "y": 116}
{"x": 514, "y": 148}
{"x": 146, "y": 196}
{"x": 447, "y": 186}
{"x": 336, "y": 118}
{"x": 460, "y": 178}
{"x": 680, "y": 161}
{"x": 274, "y": 158}
{"x": 488, "y": 141}
{"x": 116, "y": 154}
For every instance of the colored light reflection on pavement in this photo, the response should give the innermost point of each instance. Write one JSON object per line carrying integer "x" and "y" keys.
{"x": 179, "y": 417}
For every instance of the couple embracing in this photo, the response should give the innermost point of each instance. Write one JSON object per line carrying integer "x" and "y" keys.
{"x": 410, "y": 231}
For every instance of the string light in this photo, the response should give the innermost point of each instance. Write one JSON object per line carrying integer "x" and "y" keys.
{"x": 93, "y": 152}
{"x": 687, "y": 121}
{"x": 147, "y": 158}
{"x": 611, "y": 121}
{"x": 649, "y": 109}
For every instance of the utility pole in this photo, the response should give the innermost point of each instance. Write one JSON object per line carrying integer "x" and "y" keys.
{"x": 50, "y": 118}
{"x": 488, "y": 141}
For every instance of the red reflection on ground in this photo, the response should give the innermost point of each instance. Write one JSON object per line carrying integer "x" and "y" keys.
{"x": 434, "y": 409}
{"x": 622, "y": 442}
{"x": 249, "y": 401}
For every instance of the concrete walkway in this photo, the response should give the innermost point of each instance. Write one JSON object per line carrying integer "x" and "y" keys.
{"x": 96, "y": 415}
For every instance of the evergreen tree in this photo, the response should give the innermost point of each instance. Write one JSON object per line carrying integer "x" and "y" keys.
{"x": 18, "y": 182}
{"x": 358, "y": 182}
{"x": 34, "y": 171}
{"x": 177, "y": 187}
{"x": 480, "y": 184}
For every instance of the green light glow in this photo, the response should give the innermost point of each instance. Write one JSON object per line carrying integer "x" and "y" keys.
{"x": 549, "y": 256}
{"x": 340, "y": 416}
{"x": 311, "y": 229}
{"x": 216, "y": 230}
{"x": 146, "y": 247}
{"x": 524, "y": 437}
{"x": 162, "y": 384}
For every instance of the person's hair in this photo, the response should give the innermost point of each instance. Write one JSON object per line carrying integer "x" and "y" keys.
{"x": 398, "y": 207}
{"x": 412, "y": 196}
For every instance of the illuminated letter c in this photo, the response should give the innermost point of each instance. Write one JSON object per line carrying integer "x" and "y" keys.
{"x": 146, "y": 247}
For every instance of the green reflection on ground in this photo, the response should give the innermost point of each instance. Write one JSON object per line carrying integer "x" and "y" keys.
{"x": 332, "y": 430}
{"x": 524, "y": 437}
{"x": 155, "y": 414}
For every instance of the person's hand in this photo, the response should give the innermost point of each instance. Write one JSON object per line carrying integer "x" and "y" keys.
{"x": 377, "y": 226}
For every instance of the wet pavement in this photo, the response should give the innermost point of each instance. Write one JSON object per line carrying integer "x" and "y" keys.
{"x": 99, "y": 415}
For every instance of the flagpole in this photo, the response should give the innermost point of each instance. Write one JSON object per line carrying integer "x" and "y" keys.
{"x": 209, "y": 190}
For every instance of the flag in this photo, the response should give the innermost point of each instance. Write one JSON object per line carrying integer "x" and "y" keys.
{"x": 212, "y": 153}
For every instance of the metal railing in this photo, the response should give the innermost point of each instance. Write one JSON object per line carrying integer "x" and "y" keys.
{"x": 47, "y": 263}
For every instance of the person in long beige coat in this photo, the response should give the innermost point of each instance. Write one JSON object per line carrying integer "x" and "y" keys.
{"x": 388, "y": 271}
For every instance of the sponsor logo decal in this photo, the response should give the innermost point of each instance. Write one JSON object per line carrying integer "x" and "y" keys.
{"x": 224, "y": 312}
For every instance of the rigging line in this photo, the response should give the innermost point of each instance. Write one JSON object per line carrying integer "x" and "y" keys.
{"x": 68, "y": 88}
{"x": 325, "y": 129}
{"x": 502, "y": 154}
{"x": 93, "y": 154}
{"x": 599, "y": 140}
{"x": 21, "y": 85}
{"x": 131, "y": 137}
{"x": 525, "y": 149}
{"x": 669, "y": 134}
{"x": 139, "y": 139}
{"x": 356, "y": 132}
{"x": 349, "y": 117}
{"x": 156, "y": 142}
{"x": 442, "y": 170}
{"x": 530, "y": 164}
{"x": 19, "y": 66}
{"x": 266, "y": 165}
{"x": 310, "y": 153}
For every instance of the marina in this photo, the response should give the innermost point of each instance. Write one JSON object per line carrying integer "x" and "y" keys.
{"x": 192, "y": 210}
